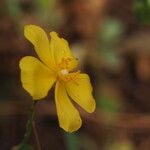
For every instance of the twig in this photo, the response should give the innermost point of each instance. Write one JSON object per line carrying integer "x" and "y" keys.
{"x": 36, "y": 136}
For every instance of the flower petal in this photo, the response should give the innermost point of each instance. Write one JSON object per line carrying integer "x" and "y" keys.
{"x": 36, "y": 78}
{"x": 61, "y": 50}
{"x": 80, "y": 90}
{"x": 39, "y": 39}
{"x": 68, "y": 116}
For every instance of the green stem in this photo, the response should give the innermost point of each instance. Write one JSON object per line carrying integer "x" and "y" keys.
{"x": 29, "y": 124}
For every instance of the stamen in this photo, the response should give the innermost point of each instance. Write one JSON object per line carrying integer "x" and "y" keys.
{"x": 64, "y": 64}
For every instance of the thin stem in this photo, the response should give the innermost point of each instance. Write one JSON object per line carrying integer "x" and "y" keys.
{"x": 29, "y": 124}
{"x": 36, "y": 136}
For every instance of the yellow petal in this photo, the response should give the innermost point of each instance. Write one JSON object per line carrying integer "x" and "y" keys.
{"x": 68, "y": 116}
{"x": 61, "y": 51}
{"x": 80, "y": 90}
{"x": 39, "y": 39}
{"x": 36, "y": 78}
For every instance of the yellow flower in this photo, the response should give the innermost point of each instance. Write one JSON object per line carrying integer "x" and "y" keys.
{"x": 54, "y": 64}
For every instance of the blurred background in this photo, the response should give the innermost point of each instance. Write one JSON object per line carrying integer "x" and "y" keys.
{"x": 111, "y": 39}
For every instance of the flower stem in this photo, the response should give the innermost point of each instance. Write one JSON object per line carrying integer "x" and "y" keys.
{"x": 29, "y": 124}
{"x": 36, "y": 136}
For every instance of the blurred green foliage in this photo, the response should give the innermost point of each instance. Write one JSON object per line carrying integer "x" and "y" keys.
{"x": 142, "y": 11}
{"x": 111, "y": 31}
{"x": 47, "y": 12}
{"x": 108, "y": 37}
{"x": 110, "y": 108}
{"x": 75, "y": 141}
{"x": 72, "y": 141}
{"x": 108, "y": 104}
{"x": 14, "y": 8}
{"x": 44, "y": 11}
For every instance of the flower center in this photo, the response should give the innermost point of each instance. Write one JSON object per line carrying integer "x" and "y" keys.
{"x": 64, "y": 71}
